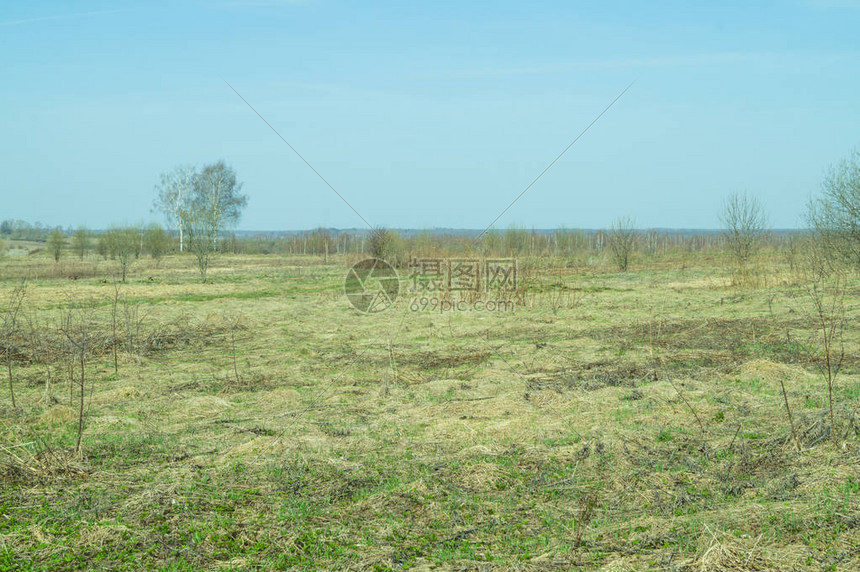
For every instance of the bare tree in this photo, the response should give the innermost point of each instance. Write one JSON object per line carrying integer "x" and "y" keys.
{"x": 123, "y": 244}
{"x": 835, "y": 215}
{"x": 385, "y": 244}
{"x": 621, "y": 239}
{"x": 40, "y": 348}
{"x": 77, "y": 329}
{"x": 828, "y": 319}
{"x": 744, "y": 226}
{"x": 113, "y": 315}
{"x": 201, "y": 240}
{"x": 174, "y": 192}
{"x": 10, "y": 328}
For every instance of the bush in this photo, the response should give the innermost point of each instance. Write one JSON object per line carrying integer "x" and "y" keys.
{"x": 386, "y": 245}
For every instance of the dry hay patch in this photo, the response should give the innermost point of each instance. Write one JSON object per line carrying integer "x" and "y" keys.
{"x": 100, "y": 535}
{"x": 723, "y": 552}
{"x": 256, "y": 446}
{"x": 506, "y": 415}
{"x": 123, "y": 393}
{"x": 17, "y": 465}
{"x": 164, "y": 496}
{"x": 58, "y": 415}
{"x": 772, "y": 372}
{"x": 550, "y": 401}
{"x": 413, "y": 499}
{"x": 705, "y": 283}
{"x": 621, "y": 564}
{"x": 476, "y": 451}
{"x": 283, "y": 398}
{"x": 115, "y": 422}
{"x": 199, "y": 407}
{"x": 478, "y": 477}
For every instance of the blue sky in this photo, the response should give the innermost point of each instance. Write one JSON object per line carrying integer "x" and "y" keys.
{"x": 430, "y": 114}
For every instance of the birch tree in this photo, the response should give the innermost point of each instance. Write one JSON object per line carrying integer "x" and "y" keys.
{"x": 215, "y": 204}
{"x": 174, "y": 193}
{"x": 217, "y": 198}
{"x": 834, "y": 215}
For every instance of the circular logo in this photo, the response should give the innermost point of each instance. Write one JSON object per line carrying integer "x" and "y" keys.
{"x": 372, "y": 285}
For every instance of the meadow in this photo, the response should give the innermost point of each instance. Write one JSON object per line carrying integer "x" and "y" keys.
{"x": 663, "y": 418}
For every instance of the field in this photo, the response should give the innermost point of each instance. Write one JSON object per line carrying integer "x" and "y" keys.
{"x": 614, "y": 421}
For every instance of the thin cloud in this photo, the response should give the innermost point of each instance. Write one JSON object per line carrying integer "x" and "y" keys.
{"x": 57, "y": 17}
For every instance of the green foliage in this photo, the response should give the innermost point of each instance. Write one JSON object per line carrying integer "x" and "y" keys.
{"x": 81, "y": 242}
{"x": 55, "y": 244}
{"x": 156, "y": 242}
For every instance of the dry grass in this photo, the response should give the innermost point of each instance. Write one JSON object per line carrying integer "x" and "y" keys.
{"x": 259, "y": 423}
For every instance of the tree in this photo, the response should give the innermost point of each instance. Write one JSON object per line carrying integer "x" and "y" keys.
{"x": 122, "y": 244}
{"x": 155, "y": 242}
{"x": 514, "y": 240}
{"x": 744, "y": 226}
{"x": 55, "y": 244}
{"x": 174, "y": 193}
{"x": 81, "y": 242}
{"x": 215, "y": 204}
{"x": 77, "y": 325}
{"x": 8, "y": 329}
{"x": 217, "y": 198}
{"x": 386, "y": 245}
{"x": 835, "y": 215}
{"x": 104, "y": 246}
{"x": 621, "y": 239}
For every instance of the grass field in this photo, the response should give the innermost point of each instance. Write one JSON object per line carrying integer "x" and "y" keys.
{"x": 614, "y": 421}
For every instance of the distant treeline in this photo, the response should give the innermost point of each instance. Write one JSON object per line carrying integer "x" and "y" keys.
{"x": 510, "y": 242}
{"x": 23, "y": 230}
{"x": 322, "y": 241}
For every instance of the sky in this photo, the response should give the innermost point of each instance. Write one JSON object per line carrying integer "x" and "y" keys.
{"x": 427, "y": 114}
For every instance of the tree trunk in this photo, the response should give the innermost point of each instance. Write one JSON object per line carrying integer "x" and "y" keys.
{"x": 11, "y": 386}
{"x": 81, "y": 404}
